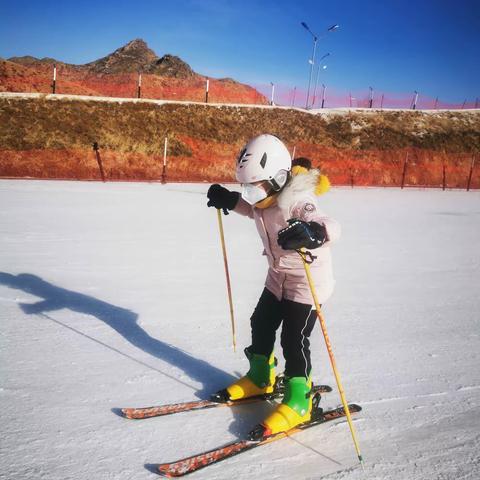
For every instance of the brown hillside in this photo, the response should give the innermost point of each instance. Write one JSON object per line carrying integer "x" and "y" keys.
{"x": 52, "y": 138}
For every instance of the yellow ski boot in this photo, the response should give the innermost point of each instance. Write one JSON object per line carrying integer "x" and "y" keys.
{"x": 295, "y": 409}
{"x": 259, "y": 380}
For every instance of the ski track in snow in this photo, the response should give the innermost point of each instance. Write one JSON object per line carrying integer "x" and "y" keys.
{"x": 113, "y": 295}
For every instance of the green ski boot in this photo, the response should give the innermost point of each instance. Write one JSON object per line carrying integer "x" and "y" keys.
{"x": 259, "y": 380}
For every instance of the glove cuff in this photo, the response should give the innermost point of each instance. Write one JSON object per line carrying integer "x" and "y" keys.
{"x": 319, "y": 232}
{"x": 231, "y": 200}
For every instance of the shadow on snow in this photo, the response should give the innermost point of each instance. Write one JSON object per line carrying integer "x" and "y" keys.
{"x": 123, "y": 321}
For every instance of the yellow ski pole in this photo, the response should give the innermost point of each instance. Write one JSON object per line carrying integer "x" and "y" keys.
{"x": 229, "y": 288}
{"x": 321, "y": 319}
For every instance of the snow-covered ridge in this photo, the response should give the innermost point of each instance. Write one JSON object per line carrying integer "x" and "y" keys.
{"x": 321, "y": 111}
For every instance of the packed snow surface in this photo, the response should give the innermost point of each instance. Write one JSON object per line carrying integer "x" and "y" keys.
{"x": 114, "y": 295}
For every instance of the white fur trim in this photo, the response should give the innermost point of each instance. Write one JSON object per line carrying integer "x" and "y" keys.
{"x": 299, "y": 187}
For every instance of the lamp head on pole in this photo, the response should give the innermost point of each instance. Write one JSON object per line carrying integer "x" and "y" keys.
{"x": 305, "y": 26}
{"x": 333, "y": 27}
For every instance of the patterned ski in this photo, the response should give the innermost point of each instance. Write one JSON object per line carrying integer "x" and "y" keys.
{"x": 192, "y": 464}
{"x": 158, "y": 411}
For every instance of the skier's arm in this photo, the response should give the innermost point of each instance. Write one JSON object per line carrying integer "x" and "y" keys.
{"x": 243, "y": 208}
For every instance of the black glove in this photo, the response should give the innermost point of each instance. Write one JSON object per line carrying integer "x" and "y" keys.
{"x": 220, "y": 197}
{"x": 300, "y": 234}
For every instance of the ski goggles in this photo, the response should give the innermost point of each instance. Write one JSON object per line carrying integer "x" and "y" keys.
{"x": 253, "y": 194}
{"x": 258, "y": 191}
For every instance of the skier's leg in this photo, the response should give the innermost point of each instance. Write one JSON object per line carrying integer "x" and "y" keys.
{"x": 264, "y": 323}
{"x": 260, "y": 378}
{"x": 299, "y": 321}
{"x": 296, "y": 407}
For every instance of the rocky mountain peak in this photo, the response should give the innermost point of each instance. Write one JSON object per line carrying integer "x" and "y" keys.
{"x": 133, "y": 57}
{"x": 171, "y": 66}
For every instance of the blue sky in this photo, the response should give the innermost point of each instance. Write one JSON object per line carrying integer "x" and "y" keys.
{"x": 395, "y": 46}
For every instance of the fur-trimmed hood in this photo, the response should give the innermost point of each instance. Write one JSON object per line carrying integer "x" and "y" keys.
{"x": 302, "y": 183}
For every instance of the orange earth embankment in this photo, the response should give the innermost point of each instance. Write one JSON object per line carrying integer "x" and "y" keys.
{"x": 52, "y": 138}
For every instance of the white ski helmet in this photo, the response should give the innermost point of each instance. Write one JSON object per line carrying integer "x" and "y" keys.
{"x": 264, "y": 158}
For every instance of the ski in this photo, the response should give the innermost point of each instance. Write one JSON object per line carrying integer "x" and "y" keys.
{"x": 161, "y": 410}
{"x": 196, "y": 462}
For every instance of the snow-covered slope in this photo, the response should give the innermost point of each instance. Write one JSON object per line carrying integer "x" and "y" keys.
{"x": 113, "y": 295}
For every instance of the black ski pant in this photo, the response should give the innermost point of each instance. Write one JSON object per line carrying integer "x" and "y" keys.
{"x": 298, "y": 322}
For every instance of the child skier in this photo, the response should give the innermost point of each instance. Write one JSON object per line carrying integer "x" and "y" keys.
{"x": 282, "y": 201}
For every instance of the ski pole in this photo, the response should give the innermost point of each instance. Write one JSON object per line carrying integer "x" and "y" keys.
{"x": 227, "y": 275}
{"x": 321, "y": 319}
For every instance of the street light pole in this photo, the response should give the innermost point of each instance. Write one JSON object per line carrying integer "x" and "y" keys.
{"x": 415, "y": 99}
{"x": 273, "y": 91}
{"x": 323, "y": 94}
{"x": 294, "y": 95}
{"x": 316, "y": 79}
{"x": 371, "y": 98}
{"x": 312, "y": 60}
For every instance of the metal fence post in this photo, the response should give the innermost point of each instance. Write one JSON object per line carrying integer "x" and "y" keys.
{"x": 54, "y": 81}
{"x": 99, "y": 160}
{"x": 139, "y": 86}
{"x": 404, "y": 170}
{"x": 472, "y": 165}
{"x": 164, "y": 170}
